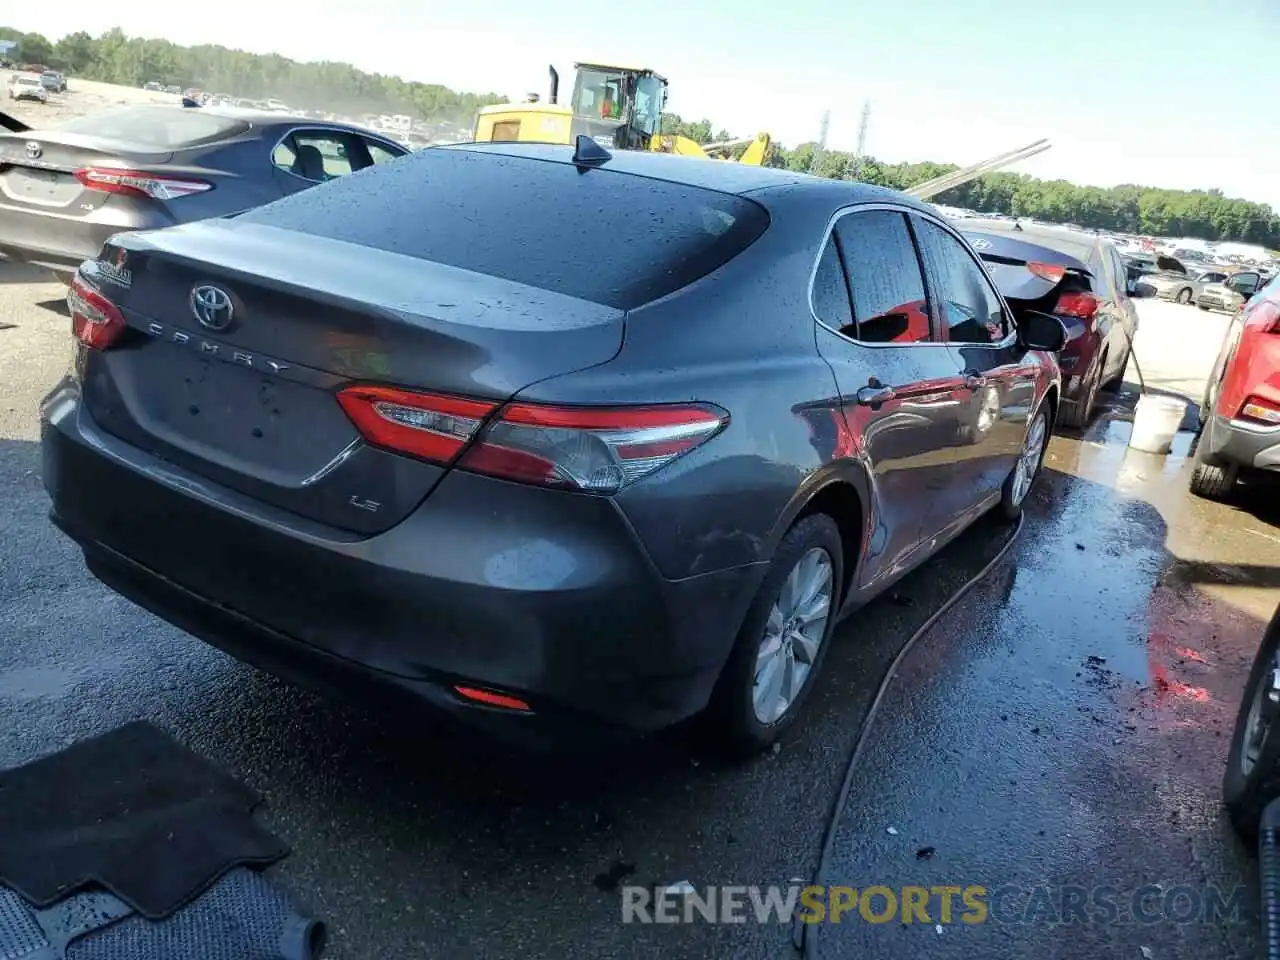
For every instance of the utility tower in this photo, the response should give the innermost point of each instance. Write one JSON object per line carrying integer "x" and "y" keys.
{"x": 821, "y": 148}
{"x": 856, "y": 170}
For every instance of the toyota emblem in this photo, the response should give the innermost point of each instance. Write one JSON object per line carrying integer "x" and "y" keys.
{"x": 979, "y": 244}
{"x": 212, "y": 306}
{"x": 33, "y": 150}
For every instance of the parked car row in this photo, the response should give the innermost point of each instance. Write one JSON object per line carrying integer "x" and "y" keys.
{"x": 1208, "y": 287}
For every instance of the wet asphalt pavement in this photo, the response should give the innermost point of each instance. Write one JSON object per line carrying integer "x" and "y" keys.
{"x": 1000, "y": 744}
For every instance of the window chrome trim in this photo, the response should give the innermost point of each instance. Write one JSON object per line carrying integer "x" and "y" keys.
{"x": 908, "y": 210}
{"x": 350, "y": 131}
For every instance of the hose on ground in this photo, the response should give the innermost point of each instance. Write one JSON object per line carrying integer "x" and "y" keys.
{"x": 1269, "y": 874}
{"x": 803, "y": 940}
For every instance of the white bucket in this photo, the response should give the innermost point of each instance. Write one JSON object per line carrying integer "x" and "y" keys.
{"x": 1155, "y": 421}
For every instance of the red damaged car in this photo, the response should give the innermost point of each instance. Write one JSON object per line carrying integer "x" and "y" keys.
{"x": 1240, "y": 412}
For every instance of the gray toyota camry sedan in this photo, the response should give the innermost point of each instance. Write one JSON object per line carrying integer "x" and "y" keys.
{"x": 66, "y": 190}
{"x": 559, "y": 441}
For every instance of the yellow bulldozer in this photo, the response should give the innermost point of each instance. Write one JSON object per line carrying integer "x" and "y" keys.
{"x": 620, "y": 108}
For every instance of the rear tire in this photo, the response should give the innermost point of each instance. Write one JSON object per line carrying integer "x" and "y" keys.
{"x": 1211, "y": 478}
{"x": 1079, "y": 414}
{"x": 1017, "y": 486}
{"x": 1252, "y": 777}
{"x": 734, "y": 714}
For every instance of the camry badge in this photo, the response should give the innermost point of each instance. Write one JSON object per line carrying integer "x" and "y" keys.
{"x": 212, "y": 306}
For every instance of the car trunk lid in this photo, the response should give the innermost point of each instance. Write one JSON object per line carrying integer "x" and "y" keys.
{"x": 40, "y": 169}
{"x": 246, "y": 397}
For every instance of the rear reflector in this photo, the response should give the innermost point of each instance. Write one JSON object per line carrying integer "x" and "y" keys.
{"x": 591, "y": 449}
{"x": 138, "y": 184}
{"x": 491, "y": 699}
{"x": 95, "y": 321}
{"x": 1260, "y": 410}
{"x": 1047, "y": 271}
{"x": 1082, "y": 306}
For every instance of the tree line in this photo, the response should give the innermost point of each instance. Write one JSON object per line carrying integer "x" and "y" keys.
{"x": 328, "y": 86}
{"x": 339, "y": 87}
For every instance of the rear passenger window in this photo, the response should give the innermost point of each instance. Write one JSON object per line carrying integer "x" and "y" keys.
{"x": 968, "y": 303}
{"x": 889, "y": 304}
{"x": 831, "y": 294}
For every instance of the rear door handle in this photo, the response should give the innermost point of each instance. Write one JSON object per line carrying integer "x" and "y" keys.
{"x": 874, "y": 396}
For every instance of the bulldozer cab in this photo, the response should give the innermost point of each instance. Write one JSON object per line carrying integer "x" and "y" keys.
{"x": 619, "y": 107}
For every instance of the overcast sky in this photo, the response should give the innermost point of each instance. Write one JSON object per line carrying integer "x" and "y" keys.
{"x": 1174, "y": 93}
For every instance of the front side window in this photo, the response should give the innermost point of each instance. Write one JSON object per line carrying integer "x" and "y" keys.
{"x": 970, "y": 308}
{"x": 1245, "y": 284}
{"x": 889, "y": 302}
{"x": 599, "y": 95}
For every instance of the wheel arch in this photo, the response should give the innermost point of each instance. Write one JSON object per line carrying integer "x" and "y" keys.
{"x": 841, "y": 491}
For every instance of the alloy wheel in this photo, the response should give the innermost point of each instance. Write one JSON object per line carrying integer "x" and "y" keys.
{"x": 1024, "y": 471}
{"x": 793, "y": 635}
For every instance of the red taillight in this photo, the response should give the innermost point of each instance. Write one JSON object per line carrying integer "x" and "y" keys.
{"x": 1047, "y": 271}
{"x": 1260, "y": 410}
{"x": 136, "y": 183}
{"x": 424, "y": 425}
{"x": 491, "y": 699}
{"x": 593, "y": 449}
{"x": 1082, "y": 306}
{"x": 95, "y": 321}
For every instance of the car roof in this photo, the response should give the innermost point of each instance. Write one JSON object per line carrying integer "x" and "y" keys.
{"x": 1074, "y": 243}
{"x": 723, "y": 176}
{"x": 265, "y": 118}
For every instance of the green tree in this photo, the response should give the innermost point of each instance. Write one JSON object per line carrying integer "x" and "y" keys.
{"x": 34, "y": 48}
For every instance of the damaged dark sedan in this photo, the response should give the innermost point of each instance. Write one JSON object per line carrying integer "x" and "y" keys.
{"x": 602, "y": 442}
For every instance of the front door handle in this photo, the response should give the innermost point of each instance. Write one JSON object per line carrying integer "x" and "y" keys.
{"x": 974, "y": 380}
{"x": 874, "y": 396}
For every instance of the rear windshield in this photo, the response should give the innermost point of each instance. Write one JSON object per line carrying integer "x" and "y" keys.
{"x": 606, "y": 237}
{"x": 168, "y": 127}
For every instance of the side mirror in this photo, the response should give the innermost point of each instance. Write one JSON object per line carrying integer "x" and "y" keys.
{"x": 1041, "y": 331}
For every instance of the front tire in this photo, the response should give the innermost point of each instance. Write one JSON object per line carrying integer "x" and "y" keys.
{"x": 783, "y": 642}
{"x": 1184, "y": 295}
{"x": 1252, "y": 778}
{"x": 1023, "y": 475}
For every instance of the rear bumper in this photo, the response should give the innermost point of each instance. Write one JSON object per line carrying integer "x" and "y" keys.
{"x": 1245, "y": 444}
{"x": 541, "y": 594}
{"x": 59, "y": 242}
{"x": 1211, "y": 302}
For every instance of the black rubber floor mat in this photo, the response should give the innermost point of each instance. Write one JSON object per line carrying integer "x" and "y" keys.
{"x": 133, "y": 811}
{"x": 241, "y": 917}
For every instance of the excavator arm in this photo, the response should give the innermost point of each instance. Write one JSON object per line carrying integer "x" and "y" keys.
{"x": 755, "y": 154}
